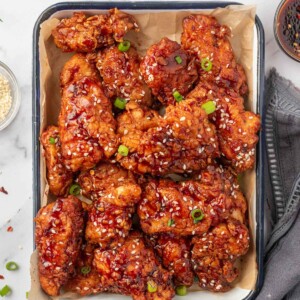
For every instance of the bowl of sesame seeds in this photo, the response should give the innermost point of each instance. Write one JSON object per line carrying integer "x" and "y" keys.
{"x": 9, "y": 96}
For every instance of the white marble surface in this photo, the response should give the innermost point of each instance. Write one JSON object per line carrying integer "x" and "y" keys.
{"x": 16, "y": 140}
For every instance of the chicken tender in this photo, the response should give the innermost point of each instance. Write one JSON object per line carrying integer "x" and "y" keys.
{"x": 85, "y": 34}
{"x": 183, "y": 141}
{"x": 120, "y": 73}
{"x": 167, "y": 68}
{"x": 206, "y": 40}
{"x": 86, "y": 123}
{"x": 174, "y": 252}
{"x": 58, "y": 235}
{"x": 58, "y": 177}
{"x": 214, "y": 254}
{"x": 132, "y": 269}
{"x": 237, "y": 129}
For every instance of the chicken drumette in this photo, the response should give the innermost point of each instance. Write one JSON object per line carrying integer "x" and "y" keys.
{"x": 85, "y": 34}
{"x": 86, "y": 123}
{"x": 58, "y": 234}
{"x": 167, "y": 68}
{"x": 58, "y": 176}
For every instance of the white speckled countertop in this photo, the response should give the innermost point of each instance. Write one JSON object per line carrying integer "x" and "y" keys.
{"x": 16, "y": 140}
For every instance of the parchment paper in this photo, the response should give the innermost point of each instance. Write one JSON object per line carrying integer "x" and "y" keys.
{"x": 154, "y": 26}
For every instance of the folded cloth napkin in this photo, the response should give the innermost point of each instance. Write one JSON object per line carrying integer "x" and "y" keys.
{"x": 282, "y": 252}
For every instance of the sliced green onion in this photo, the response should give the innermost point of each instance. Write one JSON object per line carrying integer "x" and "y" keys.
{"x": 170, "y": 222}
{"x": 197, "y": 215}
{"x": 209, "y": 107}
{"x": 178, "y": 97}
{"x": 27, "y": 295}
{"x": 5, "y": 291}
{"x": 123, "y": 150}
{"x": 124, "y": 46}
{"x": 181, "y": 290}
{"x": 178, "y": 59}
{"x": 52, "y": 140}
{"x": 151, "y": 286}
{"x": 120, "y": 103}
{"x": 12, "y": 266}
{"x": 85, "y": 270}
{"x": 206, "y": 64}
{"x": 74, "y": 189}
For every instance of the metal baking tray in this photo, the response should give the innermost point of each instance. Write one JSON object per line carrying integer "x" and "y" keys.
{"x": 258, "y": 63}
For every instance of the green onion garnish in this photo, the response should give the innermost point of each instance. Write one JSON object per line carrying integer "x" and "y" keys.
{"x": 209, "y": 107}
{"x": 52, "y": 140}
{"x": 123, "y": 150}
{"x": 206, "y": 64}
{"x": 5, "y": 291}
{"x": 151, "y": 286}
{"x": 124, "y": 46}
{"x": 197, "y": 215}
{"x": 181, "y": 290}
{"x": 85, "y": 270}
{"x": 27, "y": 295}
{"x": 120, "y": 103}
{"x": 178, "y": 97}
{"x": 12, "y": 266}
{"x": 170, "y": 222}
{"x": 74, "y": 189}
{"x": 178, "y": 59}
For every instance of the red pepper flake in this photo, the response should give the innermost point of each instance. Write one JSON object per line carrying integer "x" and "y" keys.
{"x": 10, "y": 229}
{"x": 3, "y": 190}
{"x": 1, "y": 277}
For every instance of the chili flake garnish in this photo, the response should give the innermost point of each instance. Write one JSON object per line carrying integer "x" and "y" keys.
{"x": 3, "y": 190}
{"x": 10, "y": 229}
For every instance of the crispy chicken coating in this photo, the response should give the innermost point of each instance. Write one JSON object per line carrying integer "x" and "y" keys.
{"x": 120, "y": 73}
{"x": 174, "y": 252}
{"x": 214, "y": 254}
{"x": 204, "y": 38}
{"x": 58, "y": 235}
{"x": 132, "y": 269}
{"x": 183, "y": 141}
{"x": 59, "y": 178}
{"x": 86, "y": 123}
{"x": 236, "y": 128}
{"x": 108, "y": 178}
{"x": 85, "y": 34}
{"x": 167, "y": 68}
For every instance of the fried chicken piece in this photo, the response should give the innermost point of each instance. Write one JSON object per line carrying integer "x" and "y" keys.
{"x": 164, "y": 75}
{"x": 183, "y": 141}
{"x": 58, "y": 235}
{"x": 120, "y": 73}
{"x": 58, "y": 177}
{"x": 236, "y": 128}
{"x": 165, "y": 208}
{"x": 132, "y": 269}
{"x": 86, "y": 123}
{"x": 214, "y": 254}
{"x": 110, "y": 178}
{"x": 85, "y": 34}
{"x": 174, "y": 252}
{"x": 204, "y": 38}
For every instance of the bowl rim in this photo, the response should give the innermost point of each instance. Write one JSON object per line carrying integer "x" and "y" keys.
{"x": 278, "y": 40}
{"x": 15, "y": 94}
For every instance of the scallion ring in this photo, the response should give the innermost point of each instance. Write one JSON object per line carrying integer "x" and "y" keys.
{"x": 74, "y": 189}
{"x": 197, "y": 215}
{"x": 209, "y": 107}
{"x": 178, "y": 97}
{"x": 120, "y": 103}
{"x": 206, "y": 64}
{"x": 124, "y": 46}
{"x": 181, "y": 290}
{"x": 5, "y": 291}
{"x": 12, "y": 266}
{"x": 170, "y": 222}
{"x": 85, "y": 270}
{"x": 52, "y": 140}
{"x": 123, "y": 150}
{"x": 151, "y": 286}
{"x": 178, "y": 59}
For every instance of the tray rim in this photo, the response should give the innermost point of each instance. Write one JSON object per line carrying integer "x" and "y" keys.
{"x": 162, "y": 5}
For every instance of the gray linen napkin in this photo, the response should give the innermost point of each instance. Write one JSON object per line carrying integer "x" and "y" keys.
{"x": 282, "y": 253}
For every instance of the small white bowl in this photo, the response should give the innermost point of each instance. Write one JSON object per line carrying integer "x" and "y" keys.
{"x": 15, "y": 95}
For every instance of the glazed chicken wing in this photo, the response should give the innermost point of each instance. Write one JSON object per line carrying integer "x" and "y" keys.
{"x": 120, "y": 73}
{"x": 174, "y": 252}
{"x": 85, "y": 34}
{"x": 132, "y": 269}
{"x": 86, "y": 123}
{"x": 58, "y": 234}
{"x": 59, "y": 178}
{"x": 206, "y": 40}
{"x": 167, "y": 68}
{"x": 214, "y": 254}
{"x": 183, "y": 141}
